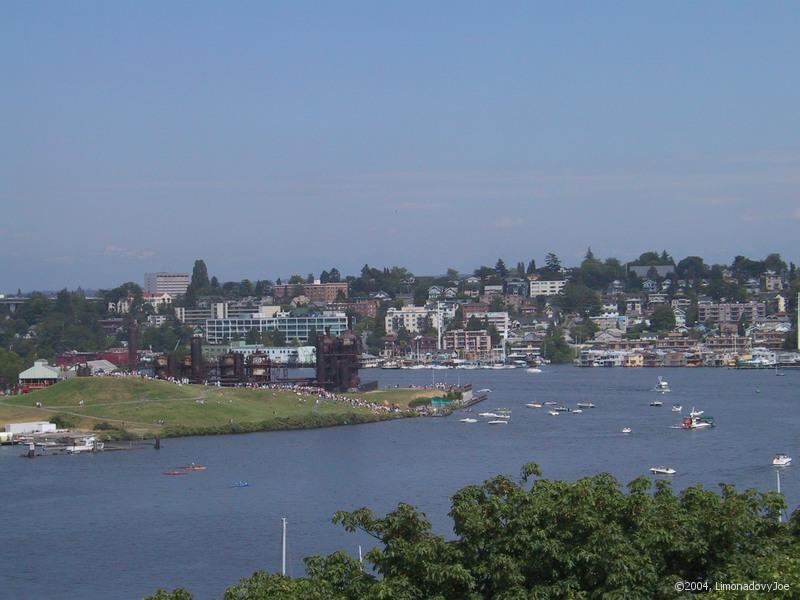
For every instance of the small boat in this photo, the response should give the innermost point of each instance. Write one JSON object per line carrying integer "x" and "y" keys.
{"x": 626, "y": 430}
{"x": 555, "y": 413}
{"x": 781, "y": 460}
{"x": 492, "y": 415}
{"x": 677, "y": 408}
{"x": 176, "y": 472}
{"x": 550, "y": 403}
{"x": 87, "y": 444}
{"x": 577, "y": 411}
{"x": 656, "y": 403}
{"x": 193, "y": 467}
{"x": 499, "y": 422}
{"x": 561, "y": 408}
{"x": 484, "y": 391}
{"x": 533, "y": 370}
{"x": 239, "y": 484}
{"x": 662, "y": 386}
{"x": 697, "y": 423}
{"x": 468, "y": 420}
{"x": 662, "y": 471}
{"x": 534, "y": 405}
{"x": 585, "y": 405}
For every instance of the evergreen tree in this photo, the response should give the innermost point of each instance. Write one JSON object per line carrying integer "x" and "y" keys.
{"x": 531, "y": 267}
{"x": 500, "y": 268}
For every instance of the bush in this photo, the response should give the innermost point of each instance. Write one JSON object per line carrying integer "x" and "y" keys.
{"x": 103, "y": 426}
{"x": 64, "y": 421}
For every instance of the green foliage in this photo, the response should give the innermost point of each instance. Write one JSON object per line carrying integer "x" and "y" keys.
{"x": 63, "y": 421}
{"x": 11, "y": 364}
{"x": 419, "y": 402}
{"x": 663, "y": 318}
{"x": 538, "y": 538}
{"x": 176, "y": 594}
{"x": 555, "y": 347}
{"x": 579, "y": 298}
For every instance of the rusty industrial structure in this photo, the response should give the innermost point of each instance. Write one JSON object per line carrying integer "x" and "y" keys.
{"x": 337, "y": 361}
{"x": 336, "y": 369}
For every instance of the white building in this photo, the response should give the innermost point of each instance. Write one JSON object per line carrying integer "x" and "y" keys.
{"x": 157, "y": 300}
{"x": 174, "y": 284}
{"x": 501, "y": 322}
{"x": 547, "y": 288}
{"x": 414, "y": 319}
{"x": 294, "y": 328}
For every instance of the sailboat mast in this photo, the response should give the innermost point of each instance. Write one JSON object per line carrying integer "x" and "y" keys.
{"x": 283, "y": 548}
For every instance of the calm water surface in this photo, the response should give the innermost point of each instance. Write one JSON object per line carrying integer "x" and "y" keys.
{"x": 113, "y": 526}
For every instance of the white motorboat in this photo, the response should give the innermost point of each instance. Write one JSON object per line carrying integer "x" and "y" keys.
{"x": 490, "y": 414}
{"x": 468, "y": 420}
{"x": 781, "y": 460}
{"x": 499, "y": 422}
{"x": 87, "y": 444}
{"x": 585, "y": 405}
{"x": 626, "y": 430}
{"x": 662, "y": 471}
{"x": 662, "y": 386}
{"x": 561, "y": 408}
{"x": 656, "y": 403}
{"x": 484, "y": 391}
{"x": 550, "y": 403}
{"x": 555, "y": 413}
{"x": 533, "y": 370}
{"x": 697, "y": 423}
{"x": 677, "y": 408}
{"x": 577, "y": 411}
{"x": 534, "y": 405}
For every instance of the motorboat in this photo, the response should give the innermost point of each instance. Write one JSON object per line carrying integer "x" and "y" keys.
{"x": 87, "y": 444}
{"x": 492, "y": 415}
{"x": 555, "y": 413}
{"x": 193, "y": 467}
{"x": 626, "y": 430}
{"x": 781, "y": 460}
{"x": 662, "y": 386}
{"x": 176, "y": 472}
{"x": 468, "y": 420}
{"x": 656, "y": 403}
{"x": 533, "y": 370}
{"x": 550, "y": 403}
{"x": 577, "y": 411}
{"x": 561, "y": 408}
{"x": 662, "y": 471}
{"x": 484, "y": 391}
{"x": 585, "y": 405}
{"x": 499, "y": 422}
{"x": 240, "y": 484}
{"x": 677, "y": 408}
{"x": 697, "y": 423}
{"x": 534, "y": 405}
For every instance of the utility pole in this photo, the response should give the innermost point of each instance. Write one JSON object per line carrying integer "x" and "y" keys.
{"x": 283, "y": 548}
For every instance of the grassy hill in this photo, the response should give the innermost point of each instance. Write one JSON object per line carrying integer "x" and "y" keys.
{"x": 146, "y": 407}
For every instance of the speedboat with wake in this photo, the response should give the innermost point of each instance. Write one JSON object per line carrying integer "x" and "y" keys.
{"x": 534, "y": 405}
{"x": 468, "y": 420}
{"x": 781, "y": 460}
{"x": 662, "y": 471}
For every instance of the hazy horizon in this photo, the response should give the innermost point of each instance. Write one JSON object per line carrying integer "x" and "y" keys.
{"x": 281, "y": 138}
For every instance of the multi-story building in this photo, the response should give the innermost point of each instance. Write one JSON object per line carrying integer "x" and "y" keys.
{"x": 414, "y": 319}
{"x": 197, "y": 317}
{"x": 730, "y": 311}
{"x": 470, "y": 345}
{"x": 317, "y": 293}
{"x": 547, "y": 288}
{"x": 295, "y": 328}
{"x": 174, "y": 284}
{"x": 517, "y": 287}
{"x": 365, "y": 308}
{"x": 501, "y": 322}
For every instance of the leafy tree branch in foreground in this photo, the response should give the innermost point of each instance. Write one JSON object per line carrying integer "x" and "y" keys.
{"x": 539, "y": 538}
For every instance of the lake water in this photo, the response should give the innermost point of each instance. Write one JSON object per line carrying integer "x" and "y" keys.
{"x": 113, "y": 526}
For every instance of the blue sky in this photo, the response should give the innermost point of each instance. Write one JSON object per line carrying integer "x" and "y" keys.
{"x": 274, "y": 138}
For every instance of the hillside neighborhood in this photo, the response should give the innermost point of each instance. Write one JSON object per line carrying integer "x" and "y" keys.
{"x": 651, "y": 312}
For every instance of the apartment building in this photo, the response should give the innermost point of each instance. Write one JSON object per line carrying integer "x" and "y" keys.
{"x": 174, "y": 284}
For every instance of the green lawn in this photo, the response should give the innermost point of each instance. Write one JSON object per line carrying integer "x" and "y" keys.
{"x": 147, "y": 407}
